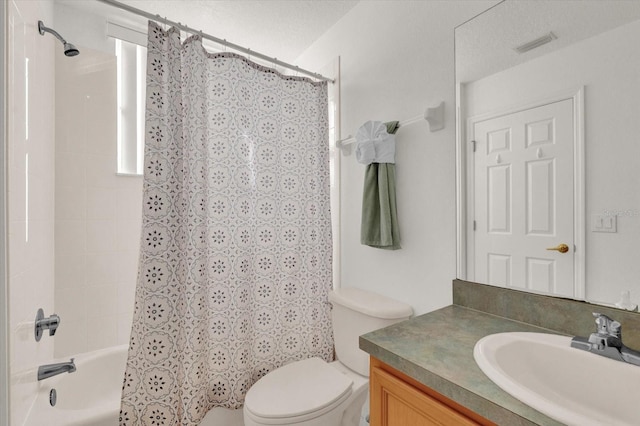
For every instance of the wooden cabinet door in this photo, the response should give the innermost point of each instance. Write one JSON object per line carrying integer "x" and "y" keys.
{"x": 398, "y": 400}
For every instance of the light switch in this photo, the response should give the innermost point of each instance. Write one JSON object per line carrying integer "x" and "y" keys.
{"x": 604, "y": 223}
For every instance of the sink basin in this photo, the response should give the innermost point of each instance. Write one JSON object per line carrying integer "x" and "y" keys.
{"x": 572, "y": 386}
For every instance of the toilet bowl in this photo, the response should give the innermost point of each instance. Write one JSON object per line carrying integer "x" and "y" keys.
{"x": 310, "y": 392}
{"x": 313, "y": 392}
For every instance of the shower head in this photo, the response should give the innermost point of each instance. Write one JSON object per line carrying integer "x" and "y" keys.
{"x": 69, "y": 49}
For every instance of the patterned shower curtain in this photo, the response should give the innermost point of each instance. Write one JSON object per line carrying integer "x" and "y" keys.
{"x": 235, "y": 261}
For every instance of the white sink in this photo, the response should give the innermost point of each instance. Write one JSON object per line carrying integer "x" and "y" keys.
{"x": 567, "y": 384}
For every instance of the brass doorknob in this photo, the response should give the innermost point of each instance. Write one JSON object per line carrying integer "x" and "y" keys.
{"x": 562, "y": 248}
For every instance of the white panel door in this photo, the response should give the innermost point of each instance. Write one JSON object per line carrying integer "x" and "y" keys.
{"x": 523, "y": 204}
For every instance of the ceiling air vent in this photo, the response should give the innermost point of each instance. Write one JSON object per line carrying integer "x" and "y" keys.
{"x": 547, "y": 38}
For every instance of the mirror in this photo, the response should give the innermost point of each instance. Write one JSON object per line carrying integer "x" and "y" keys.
{"x": 548, "y": 181}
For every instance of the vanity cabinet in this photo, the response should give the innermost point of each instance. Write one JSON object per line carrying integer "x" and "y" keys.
{"x": 399, "y": 400}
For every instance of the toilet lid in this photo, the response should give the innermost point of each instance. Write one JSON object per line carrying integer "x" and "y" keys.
{"x": 297, "y": 389}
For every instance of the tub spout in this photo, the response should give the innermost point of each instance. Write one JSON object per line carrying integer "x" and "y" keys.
{"x": 50, "y": 370}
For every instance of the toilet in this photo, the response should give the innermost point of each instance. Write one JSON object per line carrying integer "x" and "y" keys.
{"x": 312, "y": 392}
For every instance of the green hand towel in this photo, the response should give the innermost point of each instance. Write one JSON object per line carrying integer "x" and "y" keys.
{"x": 379, "y": 214}
{"x": 379, "y": 218}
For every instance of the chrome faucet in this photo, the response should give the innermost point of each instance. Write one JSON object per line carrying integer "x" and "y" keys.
{"x": 607, "y": 341}
{"x": 50, "y": 370}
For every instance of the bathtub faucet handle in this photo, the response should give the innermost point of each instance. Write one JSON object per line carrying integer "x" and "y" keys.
{"x": 50, "y": 323}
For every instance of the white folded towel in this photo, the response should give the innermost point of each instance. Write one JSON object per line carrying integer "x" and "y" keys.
{"x": 374, "y": 144}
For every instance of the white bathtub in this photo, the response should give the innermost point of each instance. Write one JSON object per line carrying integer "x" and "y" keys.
{"x": 88, "y": 397}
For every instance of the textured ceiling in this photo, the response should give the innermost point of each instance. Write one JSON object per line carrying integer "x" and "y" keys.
{"x": 485, "y": 45}
{"x": 277, "y": 28}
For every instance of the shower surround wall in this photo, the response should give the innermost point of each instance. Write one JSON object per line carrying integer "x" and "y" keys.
{"x": 97, "y": 213}
{"x": 30, "y": 195}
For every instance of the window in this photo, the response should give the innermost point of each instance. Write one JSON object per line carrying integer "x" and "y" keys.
{"x": 132, "y": 64}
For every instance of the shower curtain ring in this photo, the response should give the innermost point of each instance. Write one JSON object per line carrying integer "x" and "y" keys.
{"x": 160, "y": 21}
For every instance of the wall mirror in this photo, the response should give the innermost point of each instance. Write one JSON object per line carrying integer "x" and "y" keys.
{"x": 548, "y": 158}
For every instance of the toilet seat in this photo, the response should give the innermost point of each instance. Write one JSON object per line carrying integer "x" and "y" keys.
{"x": 302, "y": 390}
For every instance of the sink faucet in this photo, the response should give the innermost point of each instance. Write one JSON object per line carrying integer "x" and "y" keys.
{"x": 607, "y": 341}
{"x": 50, "y": 370}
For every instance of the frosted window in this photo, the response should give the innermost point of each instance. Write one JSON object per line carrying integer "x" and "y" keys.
{"x": 132, "y": 69}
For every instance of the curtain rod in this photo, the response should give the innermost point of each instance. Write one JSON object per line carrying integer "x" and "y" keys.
{"x": 233, "y": 46}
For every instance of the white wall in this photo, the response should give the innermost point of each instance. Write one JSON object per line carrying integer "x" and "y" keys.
{"x": 83, "y": 28}
{"x": 97, "y": 214}
{"x": 397, "y": 58}
{"x": 607, "y": 65}
{"x": 30, "y": 198}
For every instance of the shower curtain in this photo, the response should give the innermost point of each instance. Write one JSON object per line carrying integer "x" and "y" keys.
{"x": 235, "y": 260}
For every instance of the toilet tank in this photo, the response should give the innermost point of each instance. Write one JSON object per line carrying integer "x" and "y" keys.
{"x": 356, "y": 312}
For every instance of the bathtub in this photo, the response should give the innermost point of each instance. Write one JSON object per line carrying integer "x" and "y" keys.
{"x": 88, "y": 397}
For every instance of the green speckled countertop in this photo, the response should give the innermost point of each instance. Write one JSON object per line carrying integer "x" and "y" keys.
{"x": 437, "y": 350}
